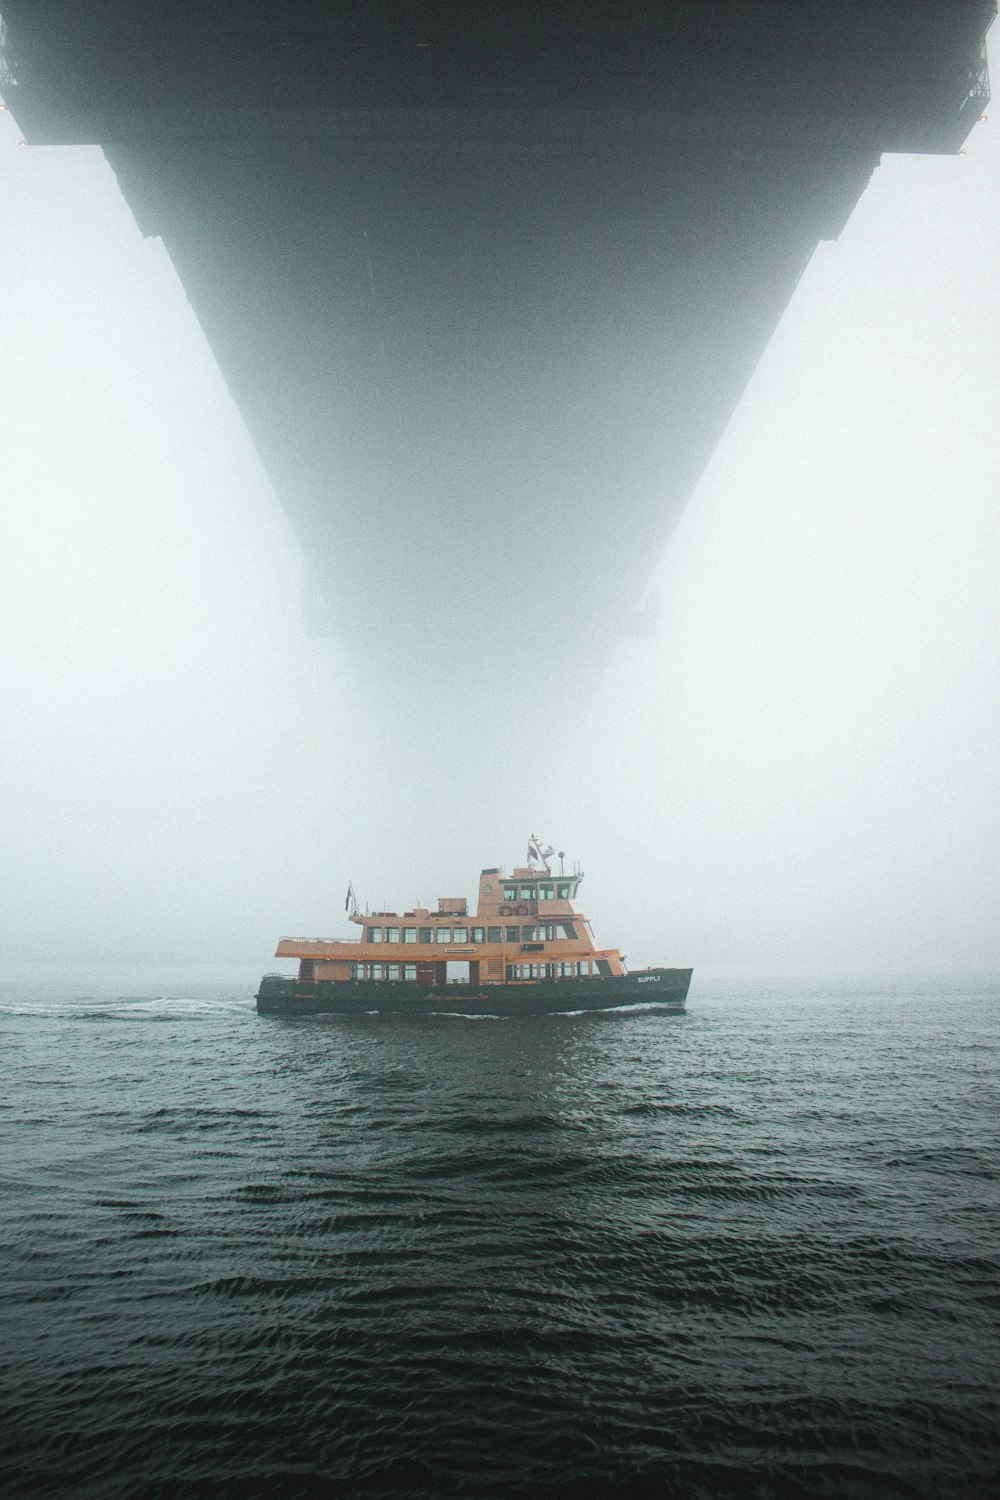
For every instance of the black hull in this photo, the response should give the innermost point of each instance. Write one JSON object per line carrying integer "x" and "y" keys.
{"x": 658, "y": 988}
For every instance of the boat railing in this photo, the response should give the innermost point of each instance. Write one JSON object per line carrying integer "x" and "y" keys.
{"x": 324, "y": 942}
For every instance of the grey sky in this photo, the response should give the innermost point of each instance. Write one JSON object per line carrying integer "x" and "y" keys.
{"x": 801, "y": 769}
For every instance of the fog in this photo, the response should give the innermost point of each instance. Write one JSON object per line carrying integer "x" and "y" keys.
{"x": 800, "y": 770}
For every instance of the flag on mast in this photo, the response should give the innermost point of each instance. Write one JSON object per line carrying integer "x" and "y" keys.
{"x": 349, "y": 900}
{"x": 538, "y": 850}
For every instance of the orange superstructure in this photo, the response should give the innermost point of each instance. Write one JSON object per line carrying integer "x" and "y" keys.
{"x": 526, "y": 929}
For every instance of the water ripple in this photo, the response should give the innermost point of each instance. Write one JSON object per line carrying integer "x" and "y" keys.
{"x": 749, "y": 1252}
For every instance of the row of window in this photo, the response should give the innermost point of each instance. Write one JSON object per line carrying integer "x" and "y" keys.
{"x": 383, "y": 971}
{"x": 548, "y": 932}
{"x": 543, "y": 892}
{"x": 578, "y": 969}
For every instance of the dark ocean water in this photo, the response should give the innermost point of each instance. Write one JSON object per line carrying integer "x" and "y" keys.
{"x": 750, "y": 1251}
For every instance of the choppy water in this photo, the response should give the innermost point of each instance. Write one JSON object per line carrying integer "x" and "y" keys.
{"x": 749, "y": 1251}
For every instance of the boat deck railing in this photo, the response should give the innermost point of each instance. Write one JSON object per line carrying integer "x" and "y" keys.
{"x": 326, "y": 942}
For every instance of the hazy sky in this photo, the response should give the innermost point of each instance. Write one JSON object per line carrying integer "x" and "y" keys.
{"x": 801, "y": 770}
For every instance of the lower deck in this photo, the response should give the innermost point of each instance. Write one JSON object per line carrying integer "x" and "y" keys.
{"x": 285, "y": 996}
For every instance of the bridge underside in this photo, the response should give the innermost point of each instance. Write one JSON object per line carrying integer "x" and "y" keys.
{"x": 487, "y": 281}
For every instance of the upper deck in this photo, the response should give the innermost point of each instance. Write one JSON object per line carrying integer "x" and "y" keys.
{"x": 526, "y": 926}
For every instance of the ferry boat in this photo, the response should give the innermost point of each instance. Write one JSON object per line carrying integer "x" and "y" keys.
{"x": 527, "y": 950}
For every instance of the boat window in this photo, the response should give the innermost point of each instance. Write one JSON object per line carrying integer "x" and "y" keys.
{"x": 565, "y": 971}
{"x": 409, "y": 934}
{"x": 513, "y": 971}
{"x": 527, "y": 893}
{"x": 546, "y": 970}
{"x": 357, "y": 971}
{"x": 426, "y": 935}
{"x": 510, "y": 893}
{"x": 461, "y": 935}
{"x": 409, "y": 971}
{"x": 513, "y": 934}
{"x": 564, "y": 893}
{"x": 374, "y": 934}
{"x": 604, "y": 968}
{"x": 547, "y": 933}
{"x": 392, "y": 934}
{"x": 529, "y": 971}
{"x": 569, "y": 930}
{"x": 545, "y": 893}
{"x": 478, "y": 935}
{"x": 527, "y": 934}
{"x": 494, "y": 934}
{"x": 376, "y": 971}
{"x": 583, "y": 967}
{"x": 392, "y": 971}
{"x": 444, "y": 934}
